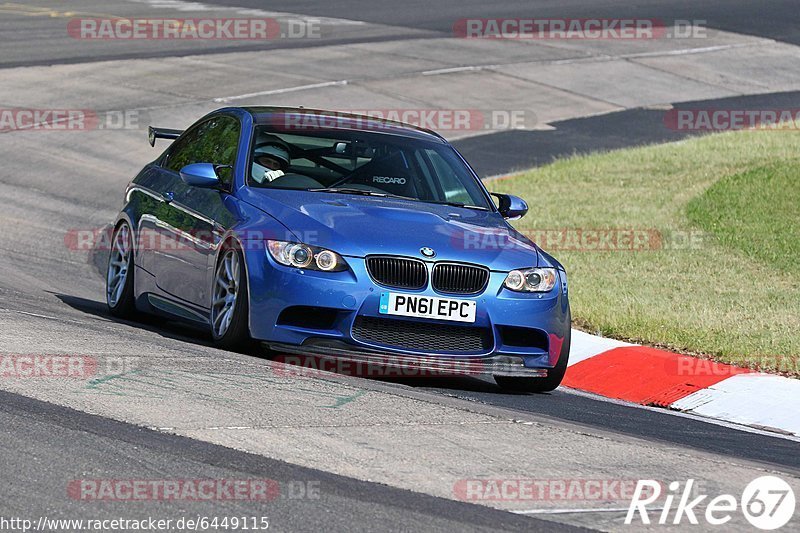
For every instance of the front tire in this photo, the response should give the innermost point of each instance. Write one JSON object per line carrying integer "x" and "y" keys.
{"x": 230, "y": 311}
{"x": 119, "y": 274}
{"x": 554, "y": 375}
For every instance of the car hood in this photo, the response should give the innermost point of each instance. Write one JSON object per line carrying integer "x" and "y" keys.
{"x": 366, "y": 225}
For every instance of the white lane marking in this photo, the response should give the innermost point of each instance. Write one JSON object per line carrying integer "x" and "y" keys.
{"x": 658, "y": 53}
{"x": 700, "y": 50}
{"x": 225, "y": 99}
{"x": 58, "y": 319}
{"x": 33, "y": 314}
{"x": 449, "y": 70}
{"x": 569, "y": 511}
{"x": 479, "y": 68}
{"x": 596, "y": 58}
{"x": 181, "y": 5}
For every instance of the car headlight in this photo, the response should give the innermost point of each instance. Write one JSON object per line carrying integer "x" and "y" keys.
{"x": 299, "y": 255}
{"x": 531, "y": 280}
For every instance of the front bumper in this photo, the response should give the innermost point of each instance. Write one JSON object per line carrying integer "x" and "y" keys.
{"x": 361, "y": 361}
{"x": 352, "y": 294}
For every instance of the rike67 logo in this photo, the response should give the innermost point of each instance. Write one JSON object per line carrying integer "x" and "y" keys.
{"x": 768, "y": 503}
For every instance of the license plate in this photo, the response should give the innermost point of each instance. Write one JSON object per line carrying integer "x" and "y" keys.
{"x": 393, "y": 303}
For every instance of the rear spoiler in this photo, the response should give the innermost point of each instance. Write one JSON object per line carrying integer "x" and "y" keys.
{"x": 161, "y": 133}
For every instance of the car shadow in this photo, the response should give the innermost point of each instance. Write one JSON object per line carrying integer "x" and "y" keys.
{"x": 166, "y": 328}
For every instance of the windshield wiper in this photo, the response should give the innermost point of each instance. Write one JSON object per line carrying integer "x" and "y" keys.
{"x": 459, "y": 204}
{"x": 347, "y": 190}
{"x": 363, "y": 192}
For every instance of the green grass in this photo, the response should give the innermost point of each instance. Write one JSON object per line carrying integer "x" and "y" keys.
{"x": 733, "y": 293}
{"x": 757, "y": 212}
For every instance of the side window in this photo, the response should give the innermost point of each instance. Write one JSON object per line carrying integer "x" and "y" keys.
{"x": 213, "y": 141}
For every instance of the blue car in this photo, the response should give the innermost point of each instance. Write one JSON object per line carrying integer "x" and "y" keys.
{"x": 342, "y": 237}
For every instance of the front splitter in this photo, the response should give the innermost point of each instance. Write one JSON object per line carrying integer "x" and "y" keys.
{"x": 368, "y": 362}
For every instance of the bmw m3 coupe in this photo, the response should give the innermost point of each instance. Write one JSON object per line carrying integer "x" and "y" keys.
{"x": 339, "y": 236}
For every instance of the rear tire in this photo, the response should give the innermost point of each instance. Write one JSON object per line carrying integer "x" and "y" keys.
{"x": 554, "y": 375}
{"x": 119, "y": 274}
{"x": 230, "y": 311}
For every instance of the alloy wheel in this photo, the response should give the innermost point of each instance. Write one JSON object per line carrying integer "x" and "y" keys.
{"x": 118, "y": 262}
{"x": 226, "y": 289}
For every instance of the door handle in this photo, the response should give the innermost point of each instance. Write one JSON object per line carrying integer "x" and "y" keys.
{"x": 168, "y": 196}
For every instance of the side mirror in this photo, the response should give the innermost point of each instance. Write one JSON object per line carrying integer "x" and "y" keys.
{"x": 510, "y": 206}
{"x": 200, "y": 175}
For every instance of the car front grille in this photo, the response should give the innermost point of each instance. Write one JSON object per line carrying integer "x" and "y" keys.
{"x": 400, "y": 272}
{"x": 456, "y": 278}
{"x": 422, "y": 336}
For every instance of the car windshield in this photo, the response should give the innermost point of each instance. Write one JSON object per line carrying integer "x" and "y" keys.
{"x": 366, "y": 163}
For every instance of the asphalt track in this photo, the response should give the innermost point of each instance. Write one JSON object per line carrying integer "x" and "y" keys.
{"x": 32, "y": 45}
{"x": 41, "y": 440}
{"x": 776, "y": 20}
{"x": 564, "y": 404}
{"x": 53, "y": 303}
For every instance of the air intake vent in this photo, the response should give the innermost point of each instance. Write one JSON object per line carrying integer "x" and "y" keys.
{"x": 422, "y": 336}
{"x": 400, "y": 272}
{"x": 455, "y": 278}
